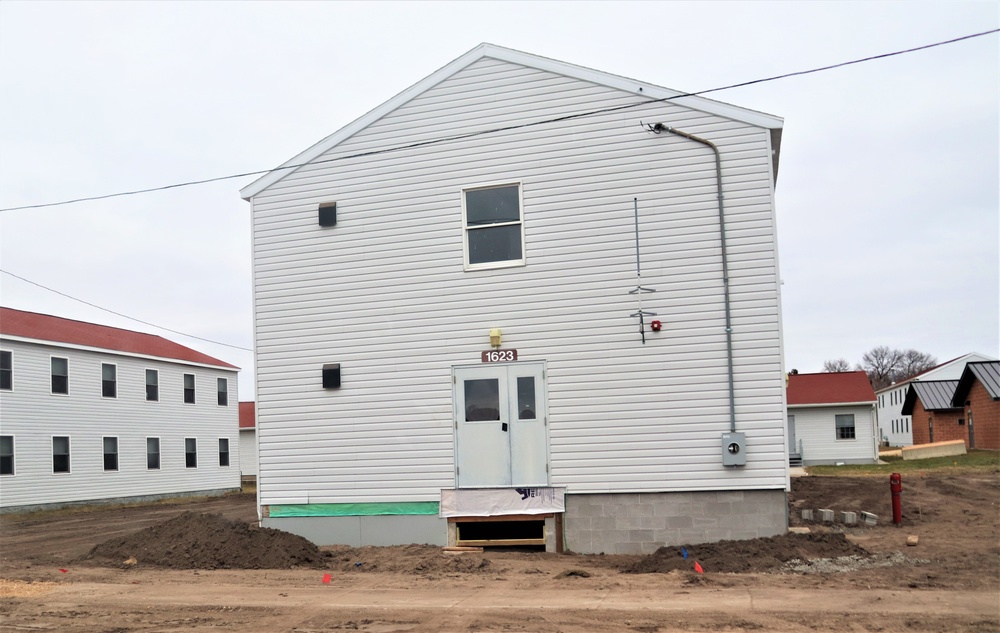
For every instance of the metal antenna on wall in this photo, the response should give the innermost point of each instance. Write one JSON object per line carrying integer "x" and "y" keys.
{"x": 639, "y": 289}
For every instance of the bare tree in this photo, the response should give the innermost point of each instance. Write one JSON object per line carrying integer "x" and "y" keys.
{"x": 885, "y": 366}
{"x": 882, "y": 365}
{"x": 912, "y": 363}
{"x": 839, "y": 364}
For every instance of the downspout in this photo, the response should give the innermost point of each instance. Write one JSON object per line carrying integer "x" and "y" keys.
{"x": 657, "y": 128}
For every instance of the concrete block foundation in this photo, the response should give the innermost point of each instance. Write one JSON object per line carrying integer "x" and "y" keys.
{"x": 640, "y": 523}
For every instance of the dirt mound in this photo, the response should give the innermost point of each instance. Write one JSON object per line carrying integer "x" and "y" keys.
{"x": 423, "y": 560}
{"x": 209, "y": 541}
{"x": 757, "y": 555}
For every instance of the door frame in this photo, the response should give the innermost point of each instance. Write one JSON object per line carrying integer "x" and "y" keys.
{"x": 541, "y": 406}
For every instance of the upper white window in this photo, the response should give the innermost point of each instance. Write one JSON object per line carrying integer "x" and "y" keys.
{"x": 189, "y": 388}
{"x": 494, "y": 233}
{"x": 60, "y": 375}
{"x": 152, "y": 385}
{"x": 6, "y": 371}
{"x": 109, "y": 380}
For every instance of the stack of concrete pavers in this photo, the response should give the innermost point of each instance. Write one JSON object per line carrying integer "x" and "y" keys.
{"x": 846, "y": 517}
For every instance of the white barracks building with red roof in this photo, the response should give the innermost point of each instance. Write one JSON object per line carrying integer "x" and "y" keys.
{"x": 94, "y": 413}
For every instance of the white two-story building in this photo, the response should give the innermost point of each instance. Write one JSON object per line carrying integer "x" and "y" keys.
{"x": 93, "y": 413}
{"x": 450, "y": 345}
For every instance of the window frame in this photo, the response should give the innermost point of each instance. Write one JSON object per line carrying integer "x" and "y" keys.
{"x": 222, "y": 391}
{"x": 52, "y": 376}
{"x": 509, "y": 263}
{"x": 188, "y": 461}
{"x": 837, "y": 427}
{"x": 157, "y": 453}
{"x": 114, "y": 381}
{"x": 226, "y": 453}
{"x": 12, "y": 457}
{"x": 194, "y": 389}
{"x": 7, "y": 373}
{"x": 69, "y": 453}
{"x": 104, "y": 450}
{"x": 156, "y": 385}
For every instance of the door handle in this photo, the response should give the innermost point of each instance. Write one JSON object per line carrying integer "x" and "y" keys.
{"x": 503, "y": 427}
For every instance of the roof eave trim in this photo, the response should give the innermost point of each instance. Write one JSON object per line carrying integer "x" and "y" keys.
{"x": 224, "y": 366}
{"x": 639, "y": 88}
{"x": 865, "y": 403}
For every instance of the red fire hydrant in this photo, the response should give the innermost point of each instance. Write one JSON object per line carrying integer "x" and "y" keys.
{"x": 896, "y": 486}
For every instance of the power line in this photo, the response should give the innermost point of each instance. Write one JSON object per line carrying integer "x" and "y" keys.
{"x": 508, "y": 128}
{"x": 94, "y": 305}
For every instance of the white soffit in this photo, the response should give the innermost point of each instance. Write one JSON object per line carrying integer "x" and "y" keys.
{"x": 493, "y": 51}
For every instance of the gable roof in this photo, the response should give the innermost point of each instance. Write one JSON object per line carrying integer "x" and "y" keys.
{"x": 848, "y": 387}
{"x": 248, "y": 415}
{"x": 965, "y": 358}
{"x": 935, "y": 395}
{"x": 43, "y": 327}
{"x": 639, "y": 88}
{"x": 987, "y": 373}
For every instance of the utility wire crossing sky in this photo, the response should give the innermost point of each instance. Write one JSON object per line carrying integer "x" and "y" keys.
{"x": 500, "y": 129}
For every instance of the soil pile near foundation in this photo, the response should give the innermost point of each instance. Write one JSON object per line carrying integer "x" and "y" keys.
{"x": 209, "y": 541}
{"x": 422, "y": 560}
{"x": 757, "y": 555}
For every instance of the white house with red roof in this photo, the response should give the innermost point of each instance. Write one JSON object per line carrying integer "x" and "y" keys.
{"x": 831, "y": 418}
{"x": 248, "y": 441}
{"x": 95, "y": 413}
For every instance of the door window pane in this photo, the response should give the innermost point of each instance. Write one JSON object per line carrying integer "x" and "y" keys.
{"x": 482, "y": 400}
{"x": 525, "y": 398}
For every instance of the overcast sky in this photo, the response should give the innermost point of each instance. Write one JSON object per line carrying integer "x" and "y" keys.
{"x": 887, "y": 196}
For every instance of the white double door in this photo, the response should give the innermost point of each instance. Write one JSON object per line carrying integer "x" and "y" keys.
{"x": 501, "y": 422}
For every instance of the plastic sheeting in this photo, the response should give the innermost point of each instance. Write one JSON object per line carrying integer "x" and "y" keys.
{"x": 485, "y": 502}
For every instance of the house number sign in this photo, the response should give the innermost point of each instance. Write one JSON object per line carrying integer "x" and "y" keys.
{"x": 500, "y": 356}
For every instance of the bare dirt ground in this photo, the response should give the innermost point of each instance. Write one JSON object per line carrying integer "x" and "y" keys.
{"x": 203, "y": 565}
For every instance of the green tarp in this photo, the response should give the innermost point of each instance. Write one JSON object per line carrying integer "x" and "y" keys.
{"x": 353, "y": 509}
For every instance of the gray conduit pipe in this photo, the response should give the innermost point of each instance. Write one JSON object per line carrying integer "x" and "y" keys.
{"x": 657, "y": 128}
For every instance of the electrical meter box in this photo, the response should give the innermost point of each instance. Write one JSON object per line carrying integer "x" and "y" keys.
{"x": 734, "y": 449}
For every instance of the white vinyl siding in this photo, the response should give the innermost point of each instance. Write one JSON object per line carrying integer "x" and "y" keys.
{"x": 816, "y": 432}
{"x": 386, "y": 295}
{"x": 248, "y": 452}
{"x": 34, "y": 417}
